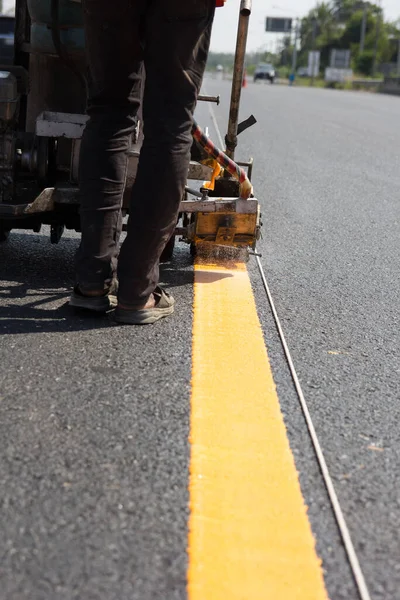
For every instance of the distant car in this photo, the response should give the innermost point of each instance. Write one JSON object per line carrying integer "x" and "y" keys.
{"x": 265, "y": 71}
{"x": 302, "y": 72}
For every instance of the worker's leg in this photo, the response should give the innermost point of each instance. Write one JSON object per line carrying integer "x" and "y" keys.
{"x": 176, "y": 47}
{"x": 114, "y": 52}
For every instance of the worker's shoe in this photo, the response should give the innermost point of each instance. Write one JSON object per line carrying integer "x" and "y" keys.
{"x": 100, "y": 303}
{"x": 164, "y": 306}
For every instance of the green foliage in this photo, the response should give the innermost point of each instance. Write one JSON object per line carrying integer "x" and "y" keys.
{"x": 338, "y": 24}
{"x": 284, "y": 72}
{"x": 330, "y": 25}
{"x": 227, "y": 60}
{"x": 364, "y": 63}
{"x": 352, "y": 33}
{"x": 218, "y": 58}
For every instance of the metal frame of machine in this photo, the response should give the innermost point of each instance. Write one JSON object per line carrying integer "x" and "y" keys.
{"x": 40, "y": 147}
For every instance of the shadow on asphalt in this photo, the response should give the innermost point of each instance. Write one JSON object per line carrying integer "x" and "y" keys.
{"x": 36, "y": 279}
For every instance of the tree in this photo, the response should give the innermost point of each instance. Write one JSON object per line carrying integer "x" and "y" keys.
{"x": 321, "y": 18}
{"x": 365, "y": 62}
{"x": 338, "y": 24}
{"x": 352, "y": 33}
{"x": 393, "y": 32}
{"x": 286, "y": 52}
{"x": 322, "y": 22}
{"x": 344, "y": 9}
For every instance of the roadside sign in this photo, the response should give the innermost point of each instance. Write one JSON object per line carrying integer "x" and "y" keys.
{"x": 338, "y": 75}
{"x": 277, "y": 25}
{"x": 340, "y": 59}
{"x": 314, "y": 60}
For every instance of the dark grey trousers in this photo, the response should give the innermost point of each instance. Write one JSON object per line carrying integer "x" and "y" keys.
{"x": 170, "y": 39}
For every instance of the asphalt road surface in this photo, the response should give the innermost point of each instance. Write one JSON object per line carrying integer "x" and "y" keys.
{"x": 94, "y": 418}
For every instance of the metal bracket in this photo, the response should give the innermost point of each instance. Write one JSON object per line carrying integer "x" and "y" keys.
{"x": 225, "y": 235}
{"x": 56, "y": 124}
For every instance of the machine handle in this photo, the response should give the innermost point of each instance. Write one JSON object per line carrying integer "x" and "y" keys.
{"x": 237, "y": 81}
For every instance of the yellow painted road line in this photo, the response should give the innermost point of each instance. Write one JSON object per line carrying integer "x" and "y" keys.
{"x": 249, "y": 535}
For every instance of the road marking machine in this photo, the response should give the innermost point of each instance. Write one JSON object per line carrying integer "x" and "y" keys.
{"x": 42, "y": 117}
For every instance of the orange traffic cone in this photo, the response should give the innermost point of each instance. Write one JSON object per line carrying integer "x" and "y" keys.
{"x": 244, "y": 84}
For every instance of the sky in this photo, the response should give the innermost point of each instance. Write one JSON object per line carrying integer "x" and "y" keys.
{"x": 8, "y": 5}
{"x": 225, "y": 25}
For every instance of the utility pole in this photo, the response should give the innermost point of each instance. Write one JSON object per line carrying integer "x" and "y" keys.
{"x": 398, "y": 59}
{"x": 294, "y": 61}
{"x": 314, "y": 38}
{"x": 378, "y": 31}
{"x": 363, "y": 28}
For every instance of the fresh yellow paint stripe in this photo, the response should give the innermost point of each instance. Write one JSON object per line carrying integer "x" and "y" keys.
{"x": 249, "y": 536}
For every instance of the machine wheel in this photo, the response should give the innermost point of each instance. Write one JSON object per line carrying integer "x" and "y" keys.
{"x": 168, "y": 251}
{"x": 4, "y": 233}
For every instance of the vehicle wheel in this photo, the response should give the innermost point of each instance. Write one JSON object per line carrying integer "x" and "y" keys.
{"x": 168, "y": 251}
{"x": 4, "y": 233}
{"x": 272, "y": 81}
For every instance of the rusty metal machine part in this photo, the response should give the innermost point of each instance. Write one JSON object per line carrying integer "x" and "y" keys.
{"x": 41, "y": 141}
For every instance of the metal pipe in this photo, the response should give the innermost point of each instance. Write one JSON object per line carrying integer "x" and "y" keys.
{"x": 238, "y": 73}
{"x": 215, "y": 99}
{"x": 195, "y": 193}
{"x": 245, "y": 7}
